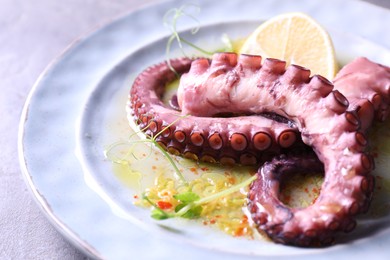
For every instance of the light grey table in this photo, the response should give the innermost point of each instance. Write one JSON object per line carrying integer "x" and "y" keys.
{"x": 32, "y": 33}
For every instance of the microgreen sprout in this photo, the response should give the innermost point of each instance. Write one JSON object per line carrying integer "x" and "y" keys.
{"x": 171, "y": 19}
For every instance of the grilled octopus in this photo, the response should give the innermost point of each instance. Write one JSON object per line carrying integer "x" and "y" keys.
{"x": 252, "y": 112}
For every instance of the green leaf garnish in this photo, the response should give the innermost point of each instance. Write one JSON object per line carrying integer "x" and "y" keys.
{"x": 193, "y": 212}
{"x": 187, "y": 197}
{"x": 159, "y": 214}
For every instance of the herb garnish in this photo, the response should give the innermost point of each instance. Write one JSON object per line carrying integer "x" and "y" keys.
{"x": 190, "y": 204}
{"x": 170, "y": 20}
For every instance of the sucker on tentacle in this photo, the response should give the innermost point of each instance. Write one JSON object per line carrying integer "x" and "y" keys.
{"x": 333, "y": 125}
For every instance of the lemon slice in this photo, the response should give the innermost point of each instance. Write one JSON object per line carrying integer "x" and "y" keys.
{"x": 297, "y": 39}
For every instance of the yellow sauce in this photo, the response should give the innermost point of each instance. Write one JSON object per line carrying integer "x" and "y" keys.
{"x": 153, "y": 175}
{"x": 227, "y": 213}
{"x": 129, "y": 177}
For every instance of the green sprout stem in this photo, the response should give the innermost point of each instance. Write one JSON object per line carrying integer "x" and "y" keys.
{"x": 226, "y": 192}
{"x": 217, "y": 195}
{"x": 162, "y": 212}
{"x": 209, "y": 53}
{"x": 169, "y": 158}
{"x": 152, "y": 141}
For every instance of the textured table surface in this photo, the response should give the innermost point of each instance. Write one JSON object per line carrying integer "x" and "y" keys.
{"x": 32, "y": 34}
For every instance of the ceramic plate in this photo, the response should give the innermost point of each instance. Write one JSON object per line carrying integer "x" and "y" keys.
{"x": 77, "y": 109}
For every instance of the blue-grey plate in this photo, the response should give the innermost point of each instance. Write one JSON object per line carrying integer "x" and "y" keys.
{"x": 77, "y": 108}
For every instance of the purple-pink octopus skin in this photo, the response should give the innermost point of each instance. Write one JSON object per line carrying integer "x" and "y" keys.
{"x": 246, "y": 140}
{"x": 331, "y": 124}
{"x": 334, "y": 127}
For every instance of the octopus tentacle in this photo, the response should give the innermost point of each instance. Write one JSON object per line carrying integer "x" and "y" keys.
{"x": 325, "y": 118}
{"x": 242, "y": 86}
{"x": 245, "y": 139}
{"x": 367, "y": 86}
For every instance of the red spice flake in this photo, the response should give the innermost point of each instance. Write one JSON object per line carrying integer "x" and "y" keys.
{"x": 193, "y": 169}
{"x": 315, "y": 190}
{"x": 135, "y": 196}
{"x": 239, "y": 232}
{"x": 244, "y": 219}
{"x": 306, "y": 190}
{"x": 218, "y": 216}
{"x": 164, "y": 204}
{"x": 154, "y": 167}
{"x": 204, "y": 169}
{"x": 212, "y": 221}
{"x": 205, "y": 223}
{"x": 231, "y": 180}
